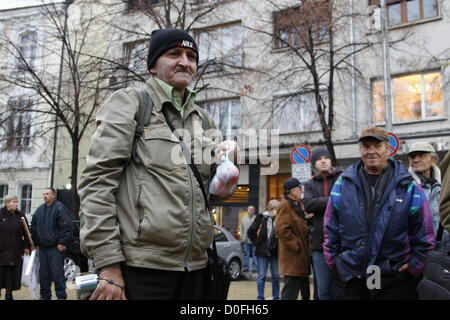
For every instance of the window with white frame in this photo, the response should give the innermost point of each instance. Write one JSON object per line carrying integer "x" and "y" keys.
{"x": 16, "y": 126}
{"x": 409, "y": 11}
{"x": 295, "y": 113}
{"x": 27, "y": 50}
{"x": 136, "y": 56}
{"x": 226, "y": 115}
{"x": 3, "y": 193}
{"x": 25, "y": 193}
{"x": 414, "y": 97}
{"x": 141, "y": 4}
{"x": 295, "y": 26}
{"x": 220, "y": 48}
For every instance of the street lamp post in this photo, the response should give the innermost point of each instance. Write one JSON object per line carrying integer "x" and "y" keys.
{"x": 67, "y": 3}
{"x": 386, "y": 67}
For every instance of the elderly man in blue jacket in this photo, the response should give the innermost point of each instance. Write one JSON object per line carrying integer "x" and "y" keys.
{"x": 377, "y": 224}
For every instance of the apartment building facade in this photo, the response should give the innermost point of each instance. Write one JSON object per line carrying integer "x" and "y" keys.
{"x": 255, "y": 77}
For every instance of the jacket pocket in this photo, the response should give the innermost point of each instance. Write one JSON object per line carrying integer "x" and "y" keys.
{"x": 159, "y": 148}
{"x": 162, "y": 219}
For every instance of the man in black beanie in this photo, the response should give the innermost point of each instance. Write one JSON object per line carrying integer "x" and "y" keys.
{"x": 315, "y": 199}
{"x": 144, "y": 218}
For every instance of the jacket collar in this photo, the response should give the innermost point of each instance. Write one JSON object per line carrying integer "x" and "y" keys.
{"x": 401, "y": 175}
{"x": 160, "y": 98}
{"x": 435, "y": 174}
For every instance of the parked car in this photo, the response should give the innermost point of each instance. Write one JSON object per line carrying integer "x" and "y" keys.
{"x": 229, "y": 248}
{"x": 75, "y": 262}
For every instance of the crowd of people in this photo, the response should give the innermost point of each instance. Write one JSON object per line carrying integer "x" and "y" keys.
{"x": 146, "y": 226}
{"x": 339, "y": 224}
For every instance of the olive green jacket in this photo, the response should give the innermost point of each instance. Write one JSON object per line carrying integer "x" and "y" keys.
{"x": 444, "y": 207}
{"x": 149, "y": 214}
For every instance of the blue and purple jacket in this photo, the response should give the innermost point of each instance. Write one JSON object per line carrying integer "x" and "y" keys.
{"x": 401, "y": 232}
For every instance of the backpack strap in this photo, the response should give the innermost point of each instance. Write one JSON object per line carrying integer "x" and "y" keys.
{"x": 143, "y": 117}
{"x": 205, "y": 122}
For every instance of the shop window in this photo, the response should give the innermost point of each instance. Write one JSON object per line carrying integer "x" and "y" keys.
{"x": 3, "y": 193}
{"x": 415, "y": 97}
{"x": 25, "y": 192}
{"x": 275, "y": 187}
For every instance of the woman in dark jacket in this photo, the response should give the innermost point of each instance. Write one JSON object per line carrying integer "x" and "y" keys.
{"x": 12, "y": 246}
{"x": 262, "y": 234}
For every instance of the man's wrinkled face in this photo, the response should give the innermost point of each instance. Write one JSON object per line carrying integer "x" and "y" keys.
{"x": 177, "y": 67}
{"x": 374, "y": 154}
{"x": 251, "y": 210}
{"x": 49, "y": 196}
{"x": 421, "y": 161}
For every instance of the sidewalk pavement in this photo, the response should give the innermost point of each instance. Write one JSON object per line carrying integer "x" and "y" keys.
{"x": 239, "y": 290}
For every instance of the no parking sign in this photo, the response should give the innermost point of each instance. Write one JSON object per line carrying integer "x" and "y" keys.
{"x": 301, "y": 166}
{"x": 300, "y": 154}
{"x": 394, "y": 144}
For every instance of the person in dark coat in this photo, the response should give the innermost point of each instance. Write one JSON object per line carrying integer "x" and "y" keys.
{"x": 51, "y": 230}
{"x": 315, "y": 199}
{"x": 13, "y": 246}
{"x": 293, "y": 253}
{"x": 262, "y": 234}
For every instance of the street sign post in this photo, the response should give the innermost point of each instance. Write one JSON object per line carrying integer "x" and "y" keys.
{"x": 301, "y": 171}
{"x": 301, "y": 166}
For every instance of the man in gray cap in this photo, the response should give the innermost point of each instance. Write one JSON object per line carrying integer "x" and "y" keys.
{"x": 423, "y": 161}
{"x": 144, "y": 221}
{"x": 377, "y": 218}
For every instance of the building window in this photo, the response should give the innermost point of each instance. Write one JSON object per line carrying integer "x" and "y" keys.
{"x": 141, "y": 4}
{"x": 296, "y": 113}
{"x": 275, "y": 187}
{"x": 297, "y": 26}
{"x": 25, "y": 192}
{"x": 414, "y": 97}
{"x": 136, "y": 56}
{"x": 3, "y": 193}
{"x": 17, "y": 124}
{"x": 226, "y": 115}
{"x": 220, "y": 48}
{"x": 409, "y": 11}
{"x": 27, "y": 50}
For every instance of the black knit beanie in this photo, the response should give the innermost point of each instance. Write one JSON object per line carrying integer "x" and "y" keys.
{"x": 321, "y": 152}
{"x": 164, "y": 39}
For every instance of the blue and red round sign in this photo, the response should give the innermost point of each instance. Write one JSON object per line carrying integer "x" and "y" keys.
{"x": 394, "y": 144}
{"x": 300, "y": 154}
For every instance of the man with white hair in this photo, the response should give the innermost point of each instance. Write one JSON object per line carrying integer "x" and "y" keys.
{"x": 423, "y": 167}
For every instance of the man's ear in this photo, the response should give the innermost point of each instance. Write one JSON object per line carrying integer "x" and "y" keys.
{"x": 433, "y": 161}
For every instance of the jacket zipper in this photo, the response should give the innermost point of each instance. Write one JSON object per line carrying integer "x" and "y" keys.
{"x": 191, "y": 208}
